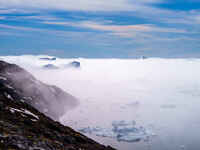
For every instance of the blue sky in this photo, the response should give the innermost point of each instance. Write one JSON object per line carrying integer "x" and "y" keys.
{"x": 100, "y": 28}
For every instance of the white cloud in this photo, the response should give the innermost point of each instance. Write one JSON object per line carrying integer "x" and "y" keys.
{"x": 136, "y": 8}
{"x": 39, "y": 17}
{"x": 19, "y": 28}
{"x": 119, "y": 30}
{"x": 182, "y": 17}
{"x": 147, "y": 91}
{"x": 14, "y": 10}
{"x": 83, "y": 5}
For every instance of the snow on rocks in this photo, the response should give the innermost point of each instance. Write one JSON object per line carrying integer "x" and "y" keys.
{"x": 3, "y": 78}
{"x": 24, "y": 112}
{"x": 30, "y": 113}
{"x": 8, "y": 86}
{"x": 8, "y": 96}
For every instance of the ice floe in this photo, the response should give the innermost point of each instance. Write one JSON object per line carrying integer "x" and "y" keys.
{"x": 126, "y": 131}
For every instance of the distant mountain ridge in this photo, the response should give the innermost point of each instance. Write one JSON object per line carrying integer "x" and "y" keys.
{"x": 23, "y": 127}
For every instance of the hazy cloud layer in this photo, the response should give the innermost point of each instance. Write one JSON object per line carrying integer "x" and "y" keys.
{"x": 160, "y": 95}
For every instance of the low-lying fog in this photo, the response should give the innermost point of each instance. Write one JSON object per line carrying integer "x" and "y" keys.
{"x": 138, "y": 104}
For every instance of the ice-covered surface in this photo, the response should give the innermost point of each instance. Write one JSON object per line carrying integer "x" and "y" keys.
{"x": 160, "y": 95}
{"x": 121, "y": 131}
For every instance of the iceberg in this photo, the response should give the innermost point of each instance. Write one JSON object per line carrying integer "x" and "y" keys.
{"x": 121, "y": 131}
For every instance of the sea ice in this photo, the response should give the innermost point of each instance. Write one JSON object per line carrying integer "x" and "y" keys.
{"x": 121, "y": 131}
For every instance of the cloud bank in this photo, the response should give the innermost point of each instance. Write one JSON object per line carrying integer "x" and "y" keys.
{"x": 159, "y": 95}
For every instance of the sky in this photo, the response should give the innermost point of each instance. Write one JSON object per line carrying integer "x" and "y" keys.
{"x": 100, "y": 28}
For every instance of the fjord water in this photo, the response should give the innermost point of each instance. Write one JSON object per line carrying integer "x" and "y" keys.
{"x": 160, "y": 95}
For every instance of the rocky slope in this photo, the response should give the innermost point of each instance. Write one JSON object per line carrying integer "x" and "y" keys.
{"x": 50, "y": 100}
{"x": 23, "y": 127}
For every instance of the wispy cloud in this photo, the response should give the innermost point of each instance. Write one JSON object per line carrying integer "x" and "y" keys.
{"x": 39, "y": 17}
{"x": 7, "y": 11}
{"x": 80, "y": 5}
{"x": 15, "y": 10}
{"x": 139, "y": 8}
{"x": 56, "y": 33}
{"x": 19, "y": 28}
{"x": 115, "y": 28}
{"x": 129, "y": 28}
{"x": 100, "y": 26}
{"x": 182, "y": 17}
{"x": 117, "y": 24}
{"x": 197, "y": 19}
{"x": 119, "y": 30}
{"x": 2, "y": 18}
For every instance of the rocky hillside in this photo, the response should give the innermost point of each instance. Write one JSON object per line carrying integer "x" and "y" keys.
{"x": 49, "y": 100}
{"x": 23, "y": 127}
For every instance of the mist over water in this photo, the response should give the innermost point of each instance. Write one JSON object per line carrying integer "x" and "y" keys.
{"x": 160, "y": 95}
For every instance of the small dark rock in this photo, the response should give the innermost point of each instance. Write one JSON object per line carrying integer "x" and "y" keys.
{"x": 50, "y": 66}
{"x": 47, "y": 58}
{"x": 69, "y": 139}
{"x": 75, "y": 64}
